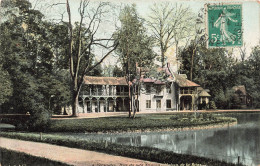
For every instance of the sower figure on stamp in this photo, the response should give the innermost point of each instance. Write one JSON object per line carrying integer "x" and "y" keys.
{"x": 222, "y": 24}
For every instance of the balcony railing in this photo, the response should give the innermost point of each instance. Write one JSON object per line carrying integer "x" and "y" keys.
{"x": 187, "y": 91}
{"x": 103, "y": 93}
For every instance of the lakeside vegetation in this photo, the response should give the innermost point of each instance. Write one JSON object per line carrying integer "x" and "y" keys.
{"x": 142, "y": 122}
{"x": 145, "y": 122}
{"x": 145, "y": 153}
{"x": 148, "y": 122}
{"x": 19, "y": 158}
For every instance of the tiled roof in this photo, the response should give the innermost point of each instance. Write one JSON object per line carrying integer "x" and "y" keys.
{"x": 180, "y": 80}
{"x": 183, "y": 82}
{"x": 91, "y": 80}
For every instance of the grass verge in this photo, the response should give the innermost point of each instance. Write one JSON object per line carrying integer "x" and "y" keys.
{"x": 10, "y": 157}
{"x": 144, "y": 153}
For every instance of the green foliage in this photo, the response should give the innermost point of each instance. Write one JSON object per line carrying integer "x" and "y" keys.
{"x": 216, "y": 70}
{"x": 253, "y": 76}
{"x": 118, "y": 72}
{"x": 212, "y": 105}
{"x": 28, "y": 59}
{"x": 97, "y": 71}
{"x": 6, "y": 88}
{"x": 135, "y": 46}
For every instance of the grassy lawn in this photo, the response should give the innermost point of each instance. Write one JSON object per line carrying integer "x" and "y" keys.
{"x": 140, "y": 123}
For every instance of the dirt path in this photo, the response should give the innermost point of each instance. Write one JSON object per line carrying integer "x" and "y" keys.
{"x": 71, "y": 156}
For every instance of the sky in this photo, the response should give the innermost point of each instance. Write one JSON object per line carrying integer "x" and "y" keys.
{"x": 250, "y": 13}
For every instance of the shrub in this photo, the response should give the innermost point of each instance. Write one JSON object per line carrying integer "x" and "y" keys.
{"x": 39, "y": 119}
{"x": 212, "y": 105}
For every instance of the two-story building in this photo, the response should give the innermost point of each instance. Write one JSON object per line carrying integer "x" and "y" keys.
{"x": 103, "y": 94}
{"x": 111, "y": 94}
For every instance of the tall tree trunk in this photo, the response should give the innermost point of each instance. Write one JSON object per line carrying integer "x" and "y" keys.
{"x": 75, "y": 100}
{"x": 192, "y": 59}
{"x": 162, "y": 55}
{"x": 130, "y": 101}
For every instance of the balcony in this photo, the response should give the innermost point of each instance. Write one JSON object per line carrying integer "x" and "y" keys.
{"x": 187, "y": 91}
{"x": 102, "y": 93}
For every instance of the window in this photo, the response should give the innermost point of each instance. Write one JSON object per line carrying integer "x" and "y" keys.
{"x": 148, "y": 88}
{"x": 168, "y": 104}
{"x": 148, "y": 103}
{"x": 168, "y": 88}
{"x": 158, "y": 103}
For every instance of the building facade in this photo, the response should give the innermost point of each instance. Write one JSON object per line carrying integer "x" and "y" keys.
{"x": 157, "y": 96}
{"x": 104, "y": 94}
{"x": 111, "y": 94}
{"x": 240, "y": 98}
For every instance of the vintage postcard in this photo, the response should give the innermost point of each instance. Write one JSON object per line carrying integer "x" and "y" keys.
{"x": 129, "y": 82}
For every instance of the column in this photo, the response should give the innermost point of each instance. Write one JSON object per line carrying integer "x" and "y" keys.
{"x": 90, "y": 105}
{"x": 107, "y": 90}
{"x": 98, "y": 106}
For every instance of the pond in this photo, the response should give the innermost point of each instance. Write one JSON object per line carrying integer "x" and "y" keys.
{"x": 232, "y": 143}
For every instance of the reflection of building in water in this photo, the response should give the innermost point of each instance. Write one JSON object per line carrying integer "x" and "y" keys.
{"x": 220, "y": 143}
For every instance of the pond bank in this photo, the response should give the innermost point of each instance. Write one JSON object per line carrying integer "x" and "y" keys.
{"x": 142, "y": 123}
{"x": 120, "y": 124}
{"x": 66, "y": 155}
{"x": 113, "y": 114}
{"x": 152, "y": 156}
{"x": 210, "y": 126}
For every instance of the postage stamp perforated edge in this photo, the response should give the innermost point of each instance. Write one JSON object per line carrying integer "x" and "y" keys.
{"x": 207, "y": 24}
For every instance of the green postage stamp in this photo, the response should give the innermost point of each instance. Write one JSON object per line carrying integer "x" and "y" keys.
{"x": 224, "y": 25}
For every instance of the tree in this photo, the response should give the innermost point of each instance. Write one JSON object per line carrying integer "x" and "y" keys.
{"x": 253, "y": 75}
{"x": 135, "y": 46}
{"x": 17, "y": 58}
{"x": 212, "y": 69}
{"x": 97, "y": 71}
{"x": 28, "y": 58}
{"x": 118, "y": 72}
{"x": 81, "y": 41}
{"x": 170, "y": 24}
{"x": 6, "y": 86}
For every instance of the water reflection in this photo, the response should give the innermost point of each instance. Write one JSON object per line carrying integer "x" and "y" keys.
{"x": 226, "y": 143}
